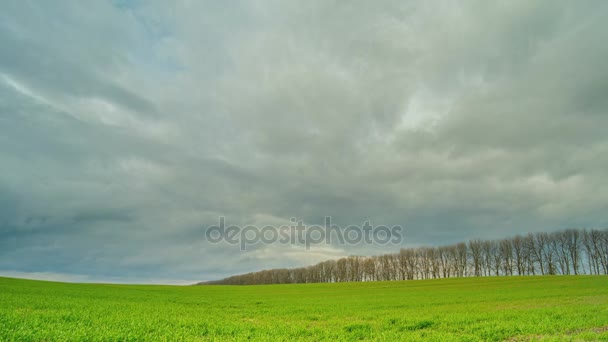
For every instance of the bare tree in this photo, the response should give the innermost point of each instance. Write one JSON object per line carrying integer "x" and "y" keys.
{"x": 369, "y": 269}
{"x": 539, "y": 244}
{"x": 402, "y": 264}
{"x": 517, "y": 244}
{"x": 444, "y": 260}
{"x": 341, "y": 270}
{"x": 476, "y": 248}
{"x": 600, "y": 241}
{"x": 529, "y": 254}
{"x": 558, "y": 244}
{"x": 488, "y": 252}
{"x": 571, "y": 238}
{"x": 548, "y": 242}
{"x": 506, "y": 256}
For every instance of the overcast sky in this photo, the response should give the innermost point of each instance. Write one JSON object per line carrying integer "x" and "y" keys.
{"x": 127, "y": 127}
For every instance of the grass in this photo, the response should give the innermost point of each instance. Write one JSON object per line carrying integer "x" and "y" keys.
{"x": 491, "y": 309}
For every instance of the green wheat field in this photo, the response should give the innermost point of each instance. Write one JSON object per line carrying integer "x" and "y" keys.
{"x": 491, "y": 309}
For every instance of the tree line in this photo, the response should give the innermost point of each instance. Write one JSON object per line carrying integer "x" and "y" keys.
{"x": 572, "y": 251}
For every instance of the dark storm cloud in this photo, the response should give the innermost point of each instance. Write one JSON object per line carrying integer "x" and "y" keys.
{"x": 127, "y": 127}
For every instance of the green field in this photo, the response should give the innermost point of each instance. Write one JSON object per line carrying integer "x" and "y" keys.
{"x": 505, "y": 308}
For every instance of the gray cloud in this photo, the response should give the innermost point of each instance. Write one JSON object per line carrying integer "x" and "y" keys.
{"x": 128, "y": 127}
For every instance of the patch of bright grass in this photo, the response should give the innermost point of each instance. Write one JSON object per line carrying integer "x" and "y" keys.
{"x": 491, "y": 309}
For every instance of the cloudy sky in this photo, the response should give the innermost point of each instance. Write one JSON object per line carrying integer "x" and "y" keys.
{"x": 127, "y": 127}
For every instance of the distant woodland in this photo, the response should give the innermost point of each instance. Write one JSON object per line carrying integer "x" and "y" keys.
{"x": 572, "y": 251}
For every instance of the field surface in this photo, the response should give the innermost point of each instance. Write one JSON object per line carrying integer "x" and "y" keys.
{"x": 505, "y": 308}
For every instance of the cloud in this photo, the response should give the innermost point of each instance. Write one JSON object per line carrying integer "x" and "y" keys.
{"x": 128, "y": 127}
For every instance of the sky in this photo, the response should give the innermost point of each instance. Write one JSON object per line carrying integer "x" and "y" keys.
{"x": 128, "y": 127}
